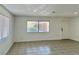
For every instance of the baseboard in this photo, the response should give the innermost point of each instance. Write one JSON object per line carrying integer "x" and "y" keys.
{"x": 36, "y": 40}
{"x": 8, "y": 48}
{"x": 75, "y": 40}
{"x": 66, "y": 39}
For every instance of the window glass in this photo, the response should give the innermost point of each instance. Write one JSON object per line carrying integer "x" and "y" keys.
{"x": 32, "y": 26}
{"x": 4, "y": 27}
{"x": 43, "y": 26}
{"x": 37, "y": 26}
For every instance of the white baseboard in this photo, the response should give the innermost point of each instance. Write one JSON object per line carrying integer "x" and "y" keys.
{"x": 35, "y": 40}
{"x": 8, "y": 48}
{"x": 75, "y": 40}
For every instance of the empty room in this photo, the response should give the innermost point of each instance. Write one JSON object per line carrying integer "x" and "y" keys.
{"x": 39, "y": 29}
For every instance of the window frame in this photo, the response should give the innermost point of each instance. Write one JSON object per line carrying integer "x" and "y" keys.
{"x": 38, "y": 25}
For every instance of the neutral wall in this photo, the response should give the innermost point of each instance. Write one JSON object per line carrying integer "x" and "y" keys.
{"x": 74, "y": 27}
{"x": 66, "y": 28}
{"x": 7, "y": 42}
{"x": 54, "y": 34}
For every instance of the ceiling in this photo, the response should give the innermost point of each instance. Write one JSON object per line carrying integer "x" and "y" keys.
{"x": 43, "y": 9}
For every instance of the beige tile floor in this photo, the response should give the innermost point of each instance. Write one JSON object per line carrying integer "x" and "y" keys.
{"x": 53, "y": 47}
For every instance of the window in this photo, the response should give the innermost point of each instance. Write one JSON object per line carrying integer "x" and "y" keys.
{"x": 4, "y": 27}
{"x": 32, "y": 26}
{"x": 37, "y": 26}
{"x": 43, "y": 26}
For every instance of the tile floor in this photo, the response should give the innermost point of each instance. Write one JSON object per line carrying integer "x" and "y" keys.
{"x": 52, "y": 47}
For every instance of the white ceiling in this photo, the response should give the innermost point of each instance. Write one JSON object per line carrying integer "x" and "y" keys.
{"x": 43, "y": 9}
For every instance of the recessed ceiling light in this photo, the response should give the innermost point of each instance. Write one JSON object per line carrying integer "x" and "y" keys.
{"x": 75, "y": 12}
{"x": 35, "y": 10}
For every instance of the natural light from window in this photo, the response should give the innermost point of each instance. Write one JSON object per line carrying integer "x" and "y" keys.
{"x": 4, "y": 26}
{"x": 37, "y": 26}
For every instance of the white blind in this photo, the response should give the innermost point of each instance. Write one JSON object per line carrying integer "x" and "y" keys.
{"x": 4, "y": 26}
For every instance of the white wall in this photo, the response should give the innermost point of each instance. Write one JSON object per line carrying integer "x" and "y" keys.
{"x": 66, "y": 28}
{"x": 22, "y": 35}
{"x": 7, "y": 43}
{"x": 74, "y": 27}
